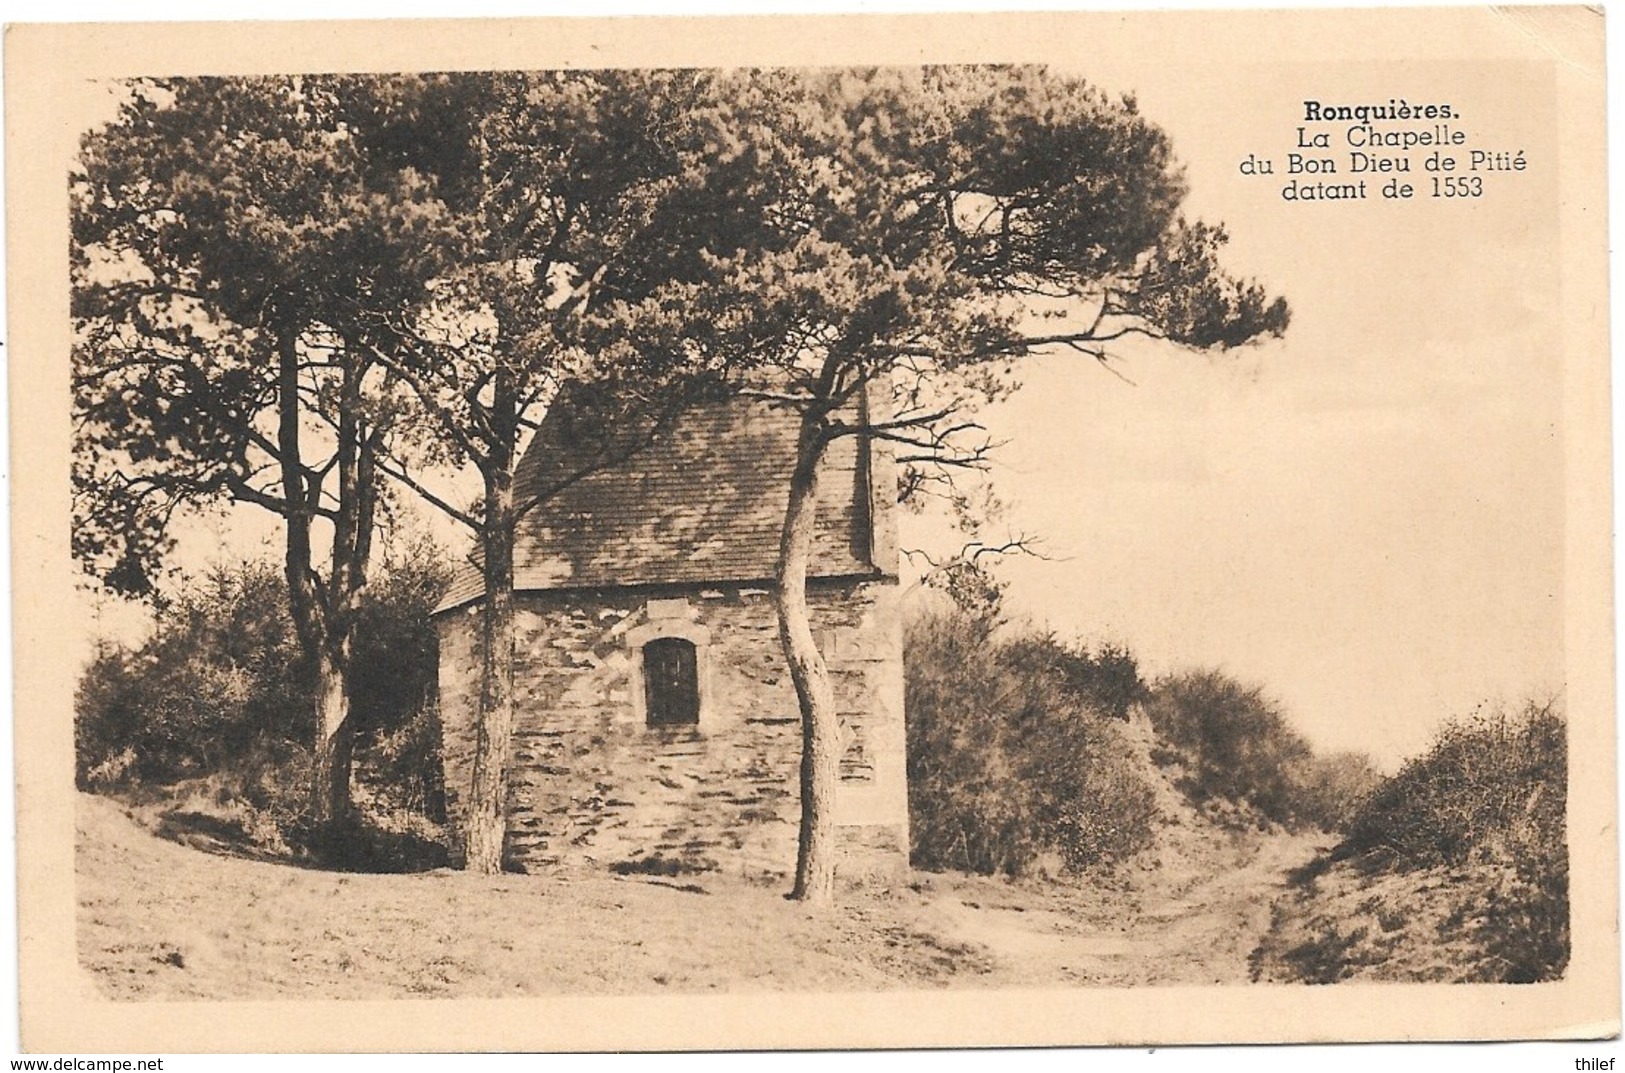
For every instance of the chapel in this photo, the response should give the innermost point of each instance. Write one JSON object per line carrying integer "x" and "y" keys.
{"x": 657, "y": 728}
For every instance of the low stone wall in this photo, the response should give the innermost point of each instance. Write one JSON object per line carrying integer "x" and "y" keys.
{"x": 592, "y": 784}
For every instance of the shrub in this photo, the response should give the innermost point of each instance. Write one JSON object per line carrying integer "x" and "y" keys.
{"x": 105, "y": 722}
{"x": 1113, "y": 813}
{"x": 393, "y": 683}
{"x": 254, "y": 805}
{"x": 368, "y": 841}
{"x": 1488, "y": 799}
{"x": 401, "y": 766}
{"x": 395, "y": 649}
{"x": 1332, "y": 789}
{"x": 1492, "y": 786}
{"x": 216, "y": 708}
{"x": 1005, "y": 762}
{"x": 1237, "y": 748}
{"x": 1106, "y": 681}
{"x": 220, "y": 674}
{"x": 1469, "y": 849}
{"x": 1525, "y": 924}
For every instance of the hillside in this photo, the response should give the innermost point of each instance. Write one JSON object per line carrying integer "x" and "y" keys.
{"x": 160, "y": 920}
{"x": 163, "y": 920}
{"x": 1443, "y": 878}
{"x": 1452, "y": 870}
{"x": 1361, "y": 921}
{"x": 1456, "y": 870}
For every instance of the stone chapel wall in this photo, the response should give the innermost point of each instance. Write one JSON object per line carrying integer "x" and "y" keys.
{"x": 592, "y": 784}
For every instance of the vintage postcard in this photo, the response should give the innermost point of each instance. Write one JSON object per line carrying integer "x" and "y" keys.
{"x": 812, "y": 532}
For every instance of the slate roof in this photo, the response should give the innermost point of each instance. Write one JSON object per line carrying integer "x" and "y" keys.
{"x": 701, "y": 502}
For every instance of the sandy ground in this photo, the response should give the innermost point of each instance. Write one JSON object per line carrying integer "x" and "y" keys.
{"x": 158, "y": 919}
{"x": 161, "y": 920}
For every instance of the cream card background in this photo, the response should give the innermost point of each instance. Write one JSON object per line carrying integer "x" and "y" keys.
{"x": 48, "y": 95}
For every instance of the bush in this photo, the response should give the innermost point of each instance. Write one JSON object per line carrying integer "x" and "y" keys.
{"x": 1006, "y": 763}
{"x": 220, "y": 676}
{"x": 369, "y": 841}
{"x": 1112, "y": 814}
{"x": 1468, "y": 844}
{"x": 1489, "y": 800}
{"x": 1524, "y": 928}
{"x": 1106, "y": 681}
{"x": 1494, "y": 785}
{"x": 105, "y": 722}
{"x": 254, "y": 805}
{"x": 1332, "y": 789}
{"x": 1237, "y": 748}
{"x": 394, "y": 683}
{"x": 395, "y": 650}
{"x": 215, "y": 710}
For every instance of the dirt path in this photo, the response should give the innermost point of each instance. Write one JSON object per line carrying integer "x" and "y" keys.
{"x": 1190, "y": 925}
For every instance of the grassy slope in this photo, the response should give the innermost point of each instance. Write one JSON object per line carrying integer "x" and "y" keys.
{"x": 1349, "y": 925}
{"x": 161, "y": 920}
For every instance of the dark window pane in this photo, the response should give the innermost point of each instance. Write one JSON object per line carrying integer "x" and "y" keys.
{"x": 671, "y": 684}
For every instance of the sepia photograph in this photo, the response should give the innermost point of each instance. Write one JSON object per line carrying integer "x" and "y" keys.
{"x": 867, "y": 531}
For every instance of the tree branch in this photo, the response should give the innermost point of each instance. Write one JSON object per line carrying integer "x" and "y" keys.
{"x": 399, "y": 472}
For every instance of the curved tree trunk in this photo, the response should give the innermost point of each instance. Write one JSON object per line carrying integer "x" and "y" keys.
{"x": 487, "y": 798}
{"x": 820, "y": 729}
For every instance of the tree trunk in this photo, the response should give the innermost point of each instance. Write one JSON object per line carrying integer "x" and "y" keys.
{"x": 487, "y": 798}
{"x": 330, "y": 783}
{"x": 820, "y": 728}
{"x": 301, "y": 494}
{"x": 352, "y": 544}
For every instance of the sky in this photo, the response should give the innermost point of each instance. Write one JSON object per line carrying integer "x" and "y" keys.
{"x": 1366, "y": 516}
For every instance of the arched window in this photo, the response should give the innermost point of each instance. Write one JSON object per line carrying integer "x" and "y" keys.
{"x": 671, "y": 685}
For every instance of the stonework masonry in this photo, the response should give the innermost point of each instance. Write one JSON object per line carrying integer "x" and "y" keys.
{"x": 592, "y": 784}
